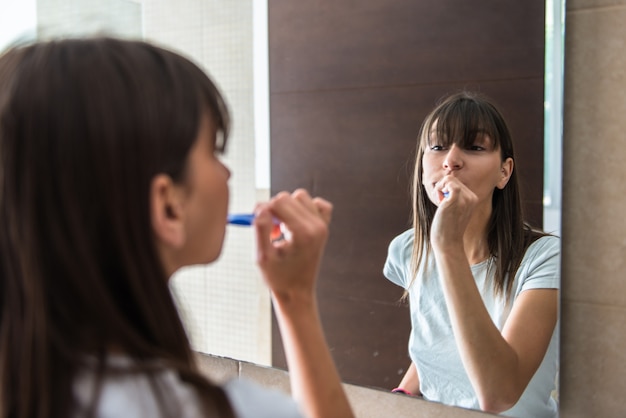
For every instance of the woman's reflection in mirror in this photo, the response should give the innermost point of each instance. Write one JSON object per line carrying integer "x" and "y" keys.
{"x": 482, "y": 284}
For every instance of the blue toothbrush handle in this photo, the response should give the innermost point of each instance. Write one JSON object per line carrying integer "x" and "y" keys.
{"x": 240, "y": 219}
{"x": 245, "y": 219}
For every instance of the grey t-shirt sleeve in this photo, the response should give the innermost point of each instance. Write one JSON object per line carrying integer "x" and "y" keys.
{"x": 250, "y": 400}
{"x": 541, "y": 267}
{"x": 398, "y": 264}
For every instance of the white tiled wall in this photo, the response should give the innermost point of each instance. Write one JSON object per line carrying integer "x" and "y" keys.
{"x": 78, "y": 17}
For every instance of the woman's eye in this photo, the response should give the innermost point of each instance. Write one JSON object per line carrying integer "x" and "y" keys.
{"x": 436, "y": 147}
{"x": 476, "y": 148}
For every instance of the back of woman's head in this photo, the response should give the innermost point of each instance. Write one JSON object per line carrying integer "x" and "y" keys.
{"x": 85, "y": 124}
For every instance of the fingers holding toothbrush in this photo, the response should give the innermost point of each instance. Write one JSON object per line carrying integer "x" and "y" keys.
{"x": 455, "y": 208}
{"x": 292, "y": 263}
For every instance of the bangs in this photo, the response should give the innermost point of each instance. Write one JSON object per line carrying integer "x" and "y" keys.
{"x": 461, "y": 122}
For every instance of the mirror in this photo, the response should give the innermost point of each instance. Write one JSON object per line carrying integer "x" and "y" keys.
{"x": 227, "y": 308}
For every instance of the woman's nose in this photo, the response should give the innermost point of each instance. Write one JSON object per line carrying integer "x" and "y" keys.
{"x": 454, "y": 158}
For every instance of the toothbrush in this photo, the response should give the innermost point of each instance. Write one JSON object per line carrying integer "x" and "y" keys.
{"x": 246, "y": 219}
{"x": 446, "y": 194}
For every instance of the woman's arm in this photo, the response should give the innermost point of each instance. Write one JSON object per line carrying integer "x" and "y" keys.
{"x": 411, "y": 382}
{"x": 290, "y": 269}
{"x": 499, "y": 364}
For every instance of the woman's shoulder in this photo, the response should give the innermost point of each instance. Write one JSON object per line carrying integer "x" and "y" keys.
{"x": 396, "y": 267}
{"x": 400, "y": 248}
{"x": 540, "y": 267}
{"x": 400, "y": 243}
{"x": 546, "y": 244}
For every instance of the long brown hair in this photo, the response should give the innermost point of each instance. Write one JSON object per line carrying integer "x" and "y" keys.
{"x": 85, "y": 124}
{"x": 457, "y": 119}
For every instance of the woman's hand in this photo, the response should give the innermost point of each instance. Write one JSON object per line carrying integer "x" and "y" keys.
{"x": 291, "y": 264}
{"x": 453, "y": 214}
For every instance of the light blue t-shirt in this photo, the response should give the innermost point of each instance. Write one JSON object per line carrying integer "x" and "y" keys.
{"x": 432, "y": 346}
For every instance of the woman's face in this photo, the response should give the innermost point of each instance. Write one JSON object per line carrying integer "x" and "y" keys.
{"x": 478, "y": 166}
{"x": 205, "y": 198}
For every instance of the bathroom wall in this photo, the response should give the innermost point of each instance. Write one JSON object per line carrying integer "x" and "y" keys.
{"x": 593, "y": 351}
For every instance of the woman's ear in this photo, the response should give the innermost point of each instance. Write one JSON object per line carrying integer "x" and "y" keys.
{"x": 506, "y": 170}
{"x": 166, "y": 212}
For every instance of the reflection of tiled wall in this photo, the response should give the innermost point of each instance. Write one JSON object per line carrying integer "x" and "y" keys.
{"x": 226, "y": 305}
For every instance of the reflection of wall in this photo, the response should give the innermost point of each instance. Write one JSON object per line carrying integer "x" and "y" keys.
{"x": 593, "y": 376}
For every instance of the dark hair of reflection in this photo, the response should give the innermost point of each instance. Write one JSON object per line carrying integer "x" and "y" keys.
{"x": 458, "y": 119}
{"x": 85, "y": 124}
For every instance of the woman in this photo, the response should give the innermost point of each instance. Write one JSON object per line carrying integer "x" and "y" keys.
{"x": 111, "y": 182}
{"x": 482, "y": 285}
